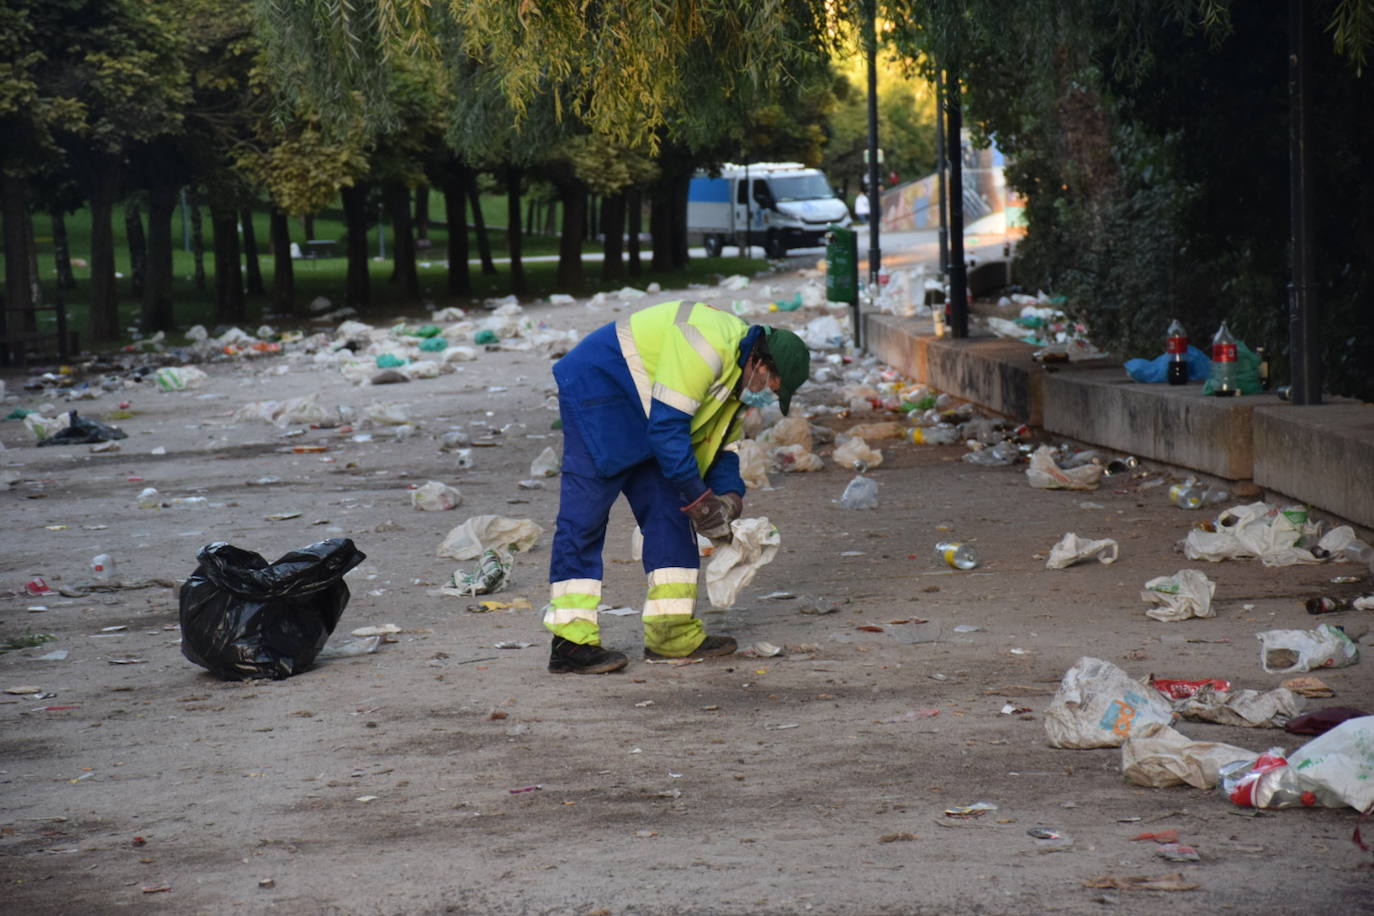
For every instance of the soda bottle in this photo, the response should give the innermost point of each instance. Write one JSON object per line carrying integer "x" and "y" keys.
{"x": 1186, "y": 495}
{"x": 956, "y": 554}
{"x": 934, "y": 435}
{"x": 1176, "y": 345}
{"x": 103, "y": 567}
{"x": 1224, "y": 363}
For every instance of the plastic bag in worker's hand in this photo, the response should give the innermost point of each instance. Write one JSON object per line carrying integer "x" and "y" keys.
{"x": 242, "y": 617}
{"x": 80, "y": 431}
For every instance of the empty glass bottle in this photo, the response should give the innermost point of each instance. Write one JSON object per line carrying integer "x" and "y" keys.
{"x": 957, "y": 554}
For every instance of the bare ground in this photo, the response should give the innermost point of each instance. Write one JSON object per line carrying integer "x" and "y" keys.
{"x": 814, "y": 781}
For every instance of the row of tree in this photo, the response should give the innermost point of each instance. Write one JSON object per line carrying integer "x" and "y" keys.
{"x": 296, "y": 107}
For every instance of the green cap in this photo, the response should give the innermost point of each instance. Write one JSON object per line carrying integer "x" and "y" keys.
{"x": 793, "y": 360}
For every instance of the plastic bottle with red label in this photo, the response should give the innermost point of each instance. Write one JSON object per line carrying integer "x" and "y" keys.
{"x": 1224, "y": 368}
{"x": 1176, "y": 345}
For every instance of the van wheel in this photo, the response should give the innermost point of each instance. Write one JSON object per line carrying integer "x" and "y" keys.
{"x": 713, "y": 246}
{"x": 774, "y": 246}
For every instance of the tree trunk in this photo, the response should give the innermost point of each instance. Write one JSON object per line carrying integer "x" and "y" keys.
{"x": 634, "y": 204}
{"x": 613, "y": 229}
{"x": 479, "y": 224}
{"x": 404, "y": 276}
{"x": 422, "y": 212}
{"x": 283, "y": 270}
{"x": 103, "y": 320}
{"x": 138, "y": 245}
{"x": 660, "y": 227}
{"x": 573, "y": 193}
{"x": 308, "y": 224}
{"x": 678, "y": 226}
{"x": 358, "y": 289}
{"x": 513, "y": 232}
{"x": 253, "y": 267}
{"x": 18, "y": 283}
{"x": 455, "y": 214}
{"x": 229, "y": 303}
{"x": 31, "y": 252}
{"x": 157, "y": 282}
{"x": 62, "y": 251}
{"x": 197, "y": 243}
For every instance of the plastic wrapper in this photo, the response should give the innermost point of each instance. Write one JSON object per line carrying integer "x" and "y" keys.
{"x": 179, "y": 378}
{"x": 81, "y": 431}
{"x": 1254, "y": 530}
{"x": 855, "y": 454}
{"x": 435, "y": 496}
{"x": 1168, "y": 758}
{"x": 887, "y": 429}
{"x": 1187, "y": 593}
{"x": 1044, "y": 474}
{"x": 792, "y": 458}
{"x": 1270, "y": 782}
{"x": 491, "y": 574}
{"x": 242, "y": 617}
{"x": 1296, "y": 651}
{"x": 484, "y": 532}
{"x": 1246, "y": 708}
{"x": 1072, "y": 549}
{"x": 753, "y": 463}
{"x": 1099, "y": 705}
{"x": 861, "y": 493}
{"x": 545, "y": 464}
{"x": 787, "y": 431}
{"x": 292, "y": 412}
{"x": 753, "y": 544}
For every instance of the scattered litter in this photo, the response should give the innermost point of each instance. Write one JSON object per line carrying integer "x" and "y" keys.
{"x": 512, "y": 645}
{"x": 545, "y": 465}
{"x": 861, "y": 493}
{"x": 179, "y": 378}
{"x": 484, "y": 532}
{"x": 761, "y": 650}
{"x": 1187, "y": 593}
{"x": 522, "y": 789}
{"x": 1271, "y": 533}
{"x": 1174, "y": 881}
{"x": 1178, "y": 852}
{"x": 23, "y": 690}
{"x": 977, "y": 809}
{"x": 1168, "y": 758}
{"x": 491, "y": 574}
{"x": 1246, "y": 708}
{"x": 967, "y": 628}
{"x": 1072, "y": 549}
{"x": 1323, "y": 720}
{"x": 1312, "y": 687}
{"x": 753, "y": 544}
{"x": 56, "y": 655}
{"x": 81, "y": 431}
{"x": 351, "y": 648}
{"x": 1181, "y": 690}
{"x": 386, "y": 629}
{"x": 1044, "y": 474}
{"x": 435, "y": 496}
{"x": 281, "y": 516}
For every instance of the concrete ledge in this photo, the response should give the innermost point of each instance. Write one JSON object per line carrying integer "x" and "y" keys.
{"x": 997, "y": 373}
{"x": 1174, "y": 424}
{"x": 1322, "y": 454}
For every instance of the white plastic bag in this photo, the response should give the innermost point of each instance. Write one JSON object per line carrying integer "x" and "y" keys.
{"x": 435, "y": 497}
{"x": 795, "y": 458}
{"x": 179, "y": 378}
{"x": 753, "y": 544}
{"x": 823, "y": 333}
{"x": 1044, "y": 474}
{"x": 1072, "y": 548}
{"x": 1253, "y": 530}
{"x": 861, "y": 493}
{"x": 1246, "y": 708}
{"x": 1340, "y": 762}
{"x": 545, "y": 465}
{"x": 1099, "y": 705}
{"x": 753, "y": 463}
{"x": 1187, "y": 593}
{"x": 855, "y": 454}
{"x": 484, "y": 532}
{"x": 387, "y": 414}
{"x": 1296, "y": 651}
{"x": 787, "y": 431}
{"x": 1168, "y": 758}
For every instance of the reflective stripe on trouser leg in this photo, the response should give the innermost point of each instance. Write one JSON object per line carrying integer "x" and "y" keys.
{"x": 669, "y": 626}
{"x": 571, "y": 613}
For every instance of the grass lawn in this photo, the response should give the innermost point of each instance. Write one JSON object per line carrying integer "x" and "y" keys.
{"x": 325, "y": 276}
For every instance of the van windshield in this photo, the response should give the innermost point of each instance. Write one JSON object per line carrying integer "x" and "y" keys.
{"x": 800, "y": 187}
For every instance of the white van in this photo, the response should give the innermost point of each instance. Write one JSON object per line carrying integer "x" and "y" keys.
{"x": 778, "y": 205}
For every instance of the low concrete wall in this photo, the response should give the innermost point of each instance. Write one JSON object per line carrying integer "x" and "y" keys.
{"x": 1322, "y": 454}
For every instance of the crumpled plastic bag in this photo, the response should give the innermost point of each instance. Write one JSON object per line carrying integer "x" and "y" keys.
{"x": 1246, "y": 708}
{"x": 1187, "y": 593}
{"x": 1072, "y": 549}
{"x": 1254, "y": 530}
{"x": 1296, "y": 651}
{"x": 1099, "y": 705}
{"x": 823, "y": 333}
{"x": 787, "y": 431}
{"x": 302, "y": 410}
{"x": 43, "y": 427}
{"x": 491, "y": 574}
{"x": 855, "y": 453}
{"x": 81, "y": 431}
{"x": 1341, "y": 762}
{"x": 242, "y": 617}
{"x": 1169, "y": 758}
{"x": 387, "y": 414}
{"x": 886, "y": 429}
{"x": 483, "y": 532}
{"x": 1044, "y": 474}
{"x": 1157, "y": 369}
{"x": 546, "y": 464}
{"x": 753, "y": 544}
{"x": 753, "y": 463}
{"x": 795, "y": 458}
{"x": 435, "y": 496}
{"x": 179, "y": 378}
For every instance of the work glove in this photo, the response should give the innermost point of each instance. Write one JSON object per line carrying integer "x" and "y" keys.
{"x": 707, "y": 513}
{"x": 734, "y": 505}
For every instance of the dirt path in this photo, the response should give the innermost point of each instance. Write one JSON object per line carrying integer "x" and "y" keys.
{"x": 813, "y": 781}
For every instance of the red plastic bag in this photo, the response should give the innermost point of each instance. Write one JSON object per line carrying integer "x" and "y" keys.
{"x": 1182, "y": 690}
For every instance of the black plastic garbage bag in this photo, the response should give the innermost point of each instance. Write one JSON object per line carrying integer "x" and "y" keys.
{"x": 242, "y": 617}
{"x": 81, "y": 431}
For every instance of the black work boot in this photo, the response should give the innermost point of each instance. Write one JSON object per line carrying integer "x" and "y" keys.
{"x": 578, "y": 658}
{"x": 711, "y": 647}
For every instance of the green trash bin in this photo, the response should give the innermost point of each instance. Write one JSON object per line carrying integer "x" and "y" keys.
{"x": 842, "y": 266}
